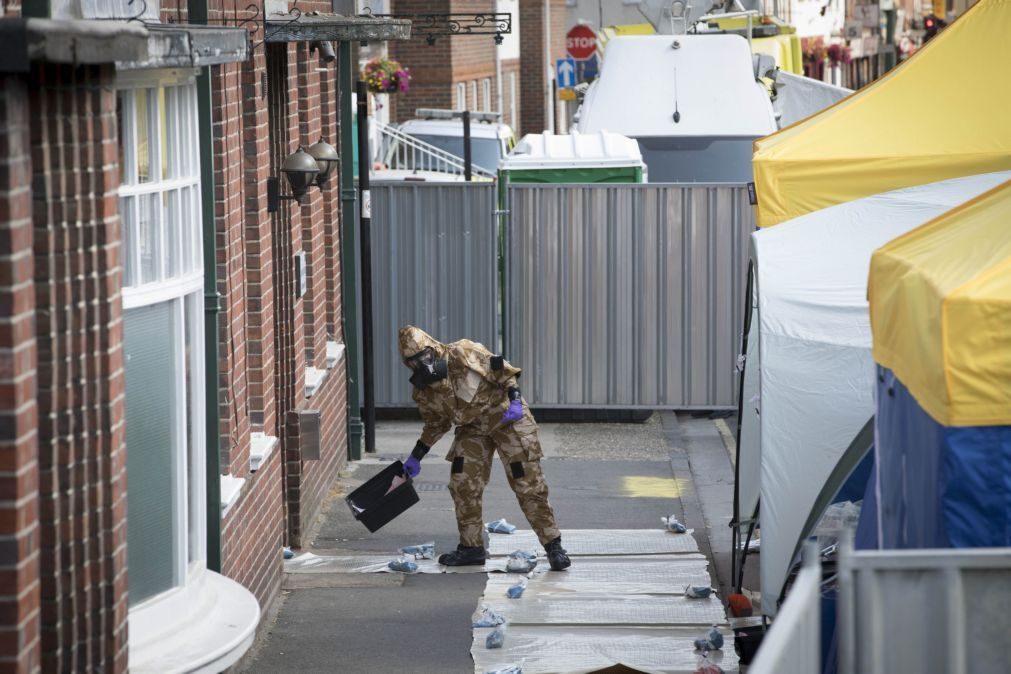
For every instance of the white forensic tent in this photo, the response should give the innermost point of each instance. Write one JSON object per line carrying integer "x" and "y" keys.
{"x": 814, "y": 368}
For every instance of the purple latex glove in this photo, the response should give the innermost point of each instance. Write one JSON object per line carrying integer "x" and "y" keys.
{"x": 514, "y": 413}
{"x": 412, "y": 466}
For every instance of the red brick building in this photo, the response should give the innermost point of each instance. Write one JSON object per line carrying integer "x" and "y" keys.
{"x": 460, "y": 71}
{"x": 536, "y": 86}
{"x": 175, "y": 398}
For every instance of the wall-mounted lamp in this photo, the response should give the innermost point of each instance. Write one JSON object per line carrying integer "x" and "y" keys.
{"x": 325, "y": 49}
{"x": 499, "y": 39}
{"x": 301, "y": 169}
{"x": 326, "y": 158}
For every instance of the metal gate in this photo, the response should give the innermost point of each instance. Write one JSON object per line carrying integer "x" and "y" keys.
{"x": 434, "y": 260}
{"x": 626, "y": 296}
{"x": 617, "y": 296}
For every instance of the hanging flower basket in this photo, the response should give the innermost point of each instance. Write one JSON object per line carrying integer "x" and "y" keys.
{"x": 838, "y": 54}
{"x": 383, "y": 76}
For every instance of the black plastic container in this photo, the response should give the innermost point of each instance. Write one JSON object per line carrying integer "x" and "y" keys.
{"x": 746, "y": 642}
{"x": 373, "y": 507}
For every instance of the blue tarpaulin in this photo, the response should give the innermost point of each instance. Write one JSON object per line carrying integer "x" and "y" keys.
{"x": 940, "y": 486}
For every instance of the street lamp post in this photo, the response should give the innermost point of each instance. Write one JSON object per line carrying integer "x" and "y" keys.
{"x": 365, "y": 228}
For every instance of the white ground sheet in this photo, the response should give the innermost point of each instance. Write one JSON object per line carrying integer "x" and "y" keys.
{"x": 547, "y": 648}
{"x": 600, "y": 542}
{"x": 621, "y": 602}
{"x": 625, "y": 575}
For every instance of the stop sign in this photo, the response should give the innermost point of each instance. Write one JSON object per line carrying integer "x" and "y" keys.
{"x": 581, "y": 42}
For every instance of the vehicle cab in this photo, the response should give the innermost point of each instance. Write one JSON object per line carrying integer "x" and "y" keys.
{"x": 491, "y": 140}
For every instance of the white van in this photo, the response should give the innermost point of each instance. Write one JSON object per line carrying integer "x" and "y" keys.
{"x": 692, "y": 102}
{"x": 489, "y": 141}
{"x": 430, "y": 148}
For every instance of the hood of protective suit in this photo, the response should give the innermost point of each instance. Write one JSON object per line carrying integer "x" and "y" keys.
{"x": 413, "y": 340}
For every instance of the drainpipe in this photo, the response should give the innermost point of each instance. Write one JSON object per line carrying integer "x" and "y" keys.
{"x": 549, "y": 93}
{"x": 349, "y": 273}
{"x": 198, "y": 15}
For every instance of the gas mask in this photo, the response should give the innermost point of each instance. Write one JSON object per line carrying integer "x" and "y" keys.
{"x": 426, "y": 368}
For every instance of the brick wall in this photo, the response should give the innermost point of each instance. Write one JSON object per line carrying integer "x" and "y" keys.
{"x": 259, "y": 280}
{"x": 230, "y": 256}
{"x": 265, "y": 109}
{"x": 81, "y": 485}
{"x": 533, "y": 73}
{"x": 474, "y": 57}
{"x": 431, "y": 65}
{"x": 19, "y": 469}
{"x": 436, "y": 70}
{"x": 63, "y": 606}
{"x": 253, "y": 531}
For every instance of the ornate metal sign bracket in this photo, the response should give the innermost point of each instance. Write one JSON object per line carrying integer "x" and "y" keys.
{"x": 433, "y": 26}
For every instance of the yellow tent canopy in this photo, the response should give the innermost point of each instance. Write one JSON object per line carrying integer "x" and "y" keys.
{"x": 942, "y": 114}
{"x": 940, "y": 303}
{"x": 784, "y": 48}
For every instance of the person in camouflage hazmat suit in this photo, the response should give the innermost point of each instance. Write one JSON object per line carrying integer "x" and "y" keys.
{"x": 465, "y": 385}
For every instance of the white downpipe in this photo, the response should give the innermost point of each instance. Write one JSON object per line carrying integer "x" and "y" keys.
{"x": 548, "y": 70}
{"x": 498, "y": 81}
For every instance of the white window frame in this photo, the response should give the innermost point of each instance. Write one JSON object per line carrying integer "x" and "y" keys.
{"x": 461, "y": 96}
{"x": 486, "y": 94}
{"x": 473, "y": 95}
{"x": 177, "y": 279}
{"x": 206, "y": 621}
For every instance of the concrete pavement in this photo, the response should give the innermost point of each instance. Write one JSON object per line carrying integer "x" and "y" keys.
{"x": 601, "y": 476}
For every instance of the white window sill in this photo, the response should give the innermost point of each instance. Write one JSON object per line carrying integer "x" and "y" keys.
{"x": 314, "y": 378}
{"x": 334, "y": 354}
{"x": 204, "y": 626}
{"x": 260, "y": 448}
{"x": 231, "y": 487}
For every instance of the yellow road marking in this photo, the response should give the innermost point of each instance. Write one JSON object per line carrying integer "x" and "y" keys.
{"x": 640, "y": 486}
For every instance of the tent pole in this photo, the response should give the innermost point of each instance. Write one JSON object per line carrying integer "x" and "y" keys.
{"x": 736, "y": 522}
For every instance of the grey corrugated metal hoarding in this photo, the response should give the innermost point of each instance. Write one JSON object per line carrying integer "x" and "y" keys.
{"x": 627, "y": 296}
{"x": 434, "y": 261}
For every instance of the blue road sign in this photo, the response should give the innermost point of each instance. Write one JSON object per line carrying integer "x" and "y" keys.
{"x": 565, "y": 73}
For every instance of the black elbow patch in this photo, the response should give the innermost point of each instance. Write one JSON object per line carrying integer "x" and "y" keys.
{"x": 497, "y": 363}
{"x": 517, "y": 469}
{"x": 457, "y": 465}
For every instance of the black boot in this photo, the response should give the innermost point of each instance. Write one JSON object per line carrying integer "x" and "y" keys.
{"x": 557, "y": 558}
{"x": 464, "y": 556}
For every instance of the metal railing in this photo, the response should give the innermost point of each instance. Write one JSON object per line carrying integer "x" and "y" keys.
{"x": 401, "y": 151}
{"x": 793, "y": 643}
{"x": 940, "y": 610}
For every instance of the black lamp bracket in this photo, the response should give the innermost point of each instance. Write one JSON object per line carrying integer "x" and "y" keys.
{"x": 274, "y": 195}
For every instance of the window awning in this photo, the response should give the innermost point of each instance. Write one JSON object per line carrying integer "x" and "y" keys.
{"x": 309, "y": 27}
{"x": 177, "y": 45}
{"x": 128, "y": 44}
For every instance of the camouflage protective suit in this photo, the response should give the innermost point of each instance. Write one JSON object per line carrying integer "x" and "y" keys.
{"x": 473, "y": 398}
